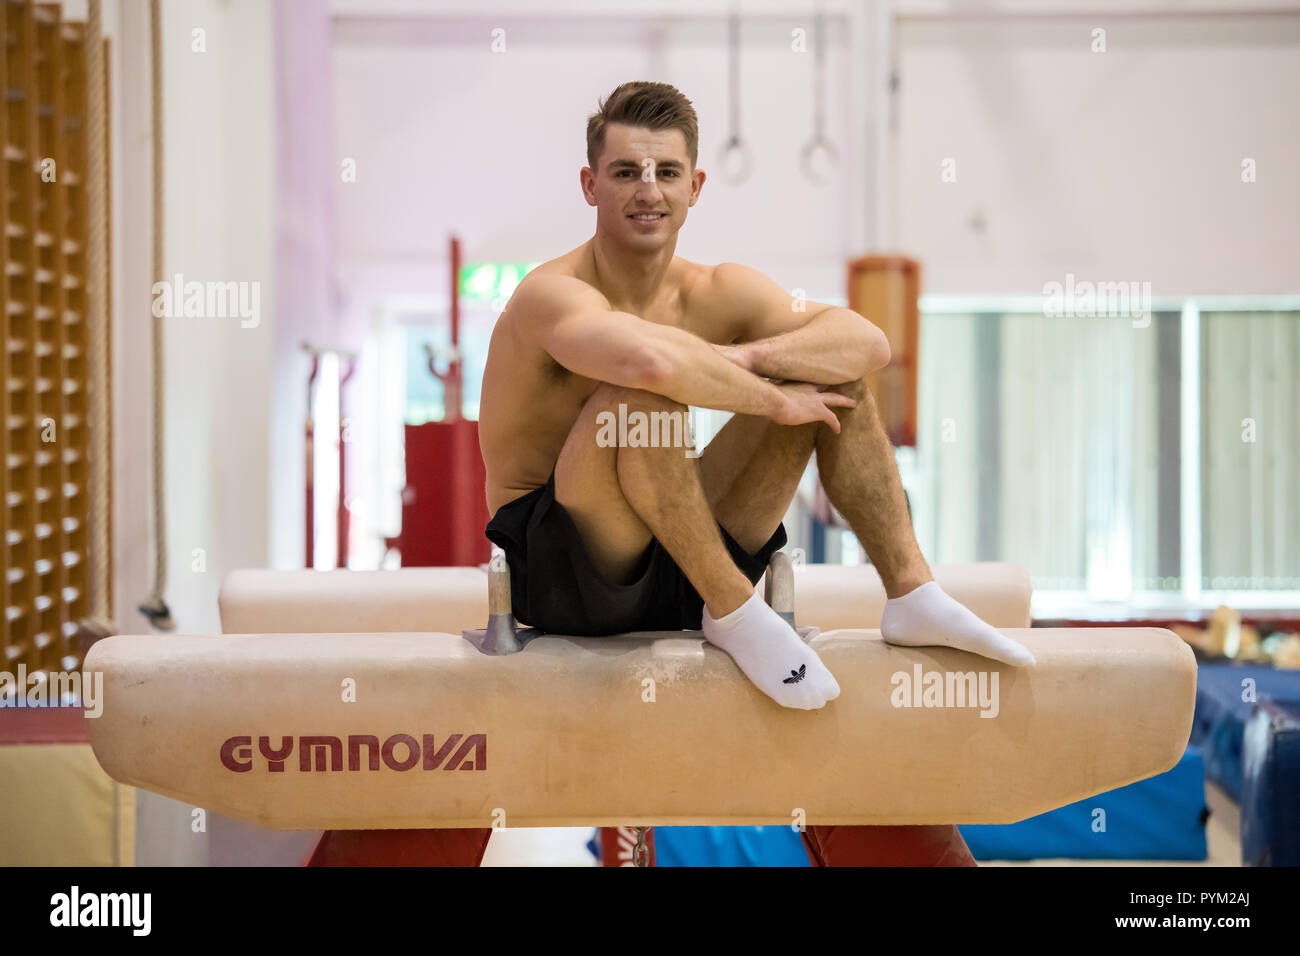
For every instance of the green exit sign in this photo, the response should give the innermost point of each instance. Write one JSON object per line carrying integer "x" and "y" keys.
{"x": 486, "y": 281}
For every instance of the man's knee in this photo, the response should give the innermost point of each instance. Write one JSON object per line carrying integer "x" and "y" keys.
{"x": 863, "y": 411}
{"x": 856, "y": 389}
{"x": 609, "y": 405}
{"x": 632, "y": 418}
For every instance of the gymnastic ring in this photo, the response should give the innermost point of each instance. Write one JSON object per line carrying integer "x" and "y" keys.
{"x": 735, "y": 147}
{"x": 817, "y": 146}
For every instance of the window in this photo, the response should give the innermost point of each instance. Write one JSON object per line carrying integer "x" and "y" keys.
{"x": 1116, "y": 459}
{"x": 1250, "y": 451}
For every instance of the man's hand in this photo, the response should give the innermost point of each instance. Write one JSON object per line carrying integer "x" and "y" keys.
{"x": 800, "y": 402}
{"x": 804, "y": 402}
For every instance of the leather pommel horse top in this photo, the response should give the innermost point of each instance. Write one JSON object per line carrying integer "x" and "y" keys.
{"x": 381, "y": 730}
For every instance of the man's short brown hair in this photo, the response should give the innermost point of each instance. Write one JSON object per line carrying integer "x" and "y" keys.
{"x": 640, "y": 103}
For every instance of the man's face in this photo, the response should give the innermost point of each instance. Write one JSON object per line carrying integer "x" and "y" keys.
{"x": 642, "y": 186}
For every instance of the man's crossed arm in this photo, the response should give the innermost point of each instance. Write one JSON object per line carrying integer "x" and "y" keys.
{"x": 785, "y": 338}
{"x": 768, "y": 337}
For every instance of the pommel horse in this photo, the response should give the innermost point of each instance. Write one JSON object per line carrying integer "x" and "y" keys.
{"x": 406, "y": 721}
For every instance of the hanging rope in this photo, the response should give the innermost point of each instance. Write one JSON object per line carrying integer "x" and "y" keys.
{"x": 154, "y": 607}
{"x": 736, "y": 159}
{"x": 819, "y": 154}
{"x": 99, "y": 623}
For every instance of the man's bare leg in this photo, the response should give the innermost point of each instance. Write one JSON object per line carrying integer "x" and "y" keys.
{"x": 666, "y": 503}
{"x": 860, "y": 476}
{"x": 750, "y": 472}
{"x": 661, "y": 488}
{"x": 858, "y": 471}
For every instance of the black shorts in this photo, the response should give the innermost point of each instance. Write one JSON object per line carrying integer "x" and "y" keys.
{"x": 555, "y": 588}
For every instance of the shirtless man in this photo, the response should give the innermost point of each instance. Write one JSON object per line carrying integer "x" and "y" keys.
{"x": 603, "y": 539}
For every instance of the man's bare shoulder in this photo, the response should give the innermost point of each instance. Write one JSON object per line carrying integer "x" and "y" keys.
{"x": 725, "y": 280}
{"x": 555, "y": 288}
{"x": 550, "y": 291}
{"x": 724, "y": 293}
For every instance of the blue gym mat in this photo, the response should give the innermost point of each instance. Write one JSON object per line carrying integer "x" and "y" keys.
{"x": 1270, "y": 792}
{"x": 1221, "y": 714}
{"x": 1161, "y": 818}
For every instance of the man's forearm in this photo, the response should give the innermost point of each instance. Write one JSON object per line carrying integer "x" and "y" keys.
{"x": 835, "y": 346}
{"x": 694, "y": 372}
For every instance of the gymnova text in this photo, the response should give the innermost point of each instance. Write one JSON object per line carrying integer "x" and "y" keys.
{"x": 61, "y": 689}
{"x": 639, "y": 429}
{"x": 324, "y": 753}
{"x": 179, "y": 299}
{"x": 102, "y": 909}
{"x": 946, "y": 689}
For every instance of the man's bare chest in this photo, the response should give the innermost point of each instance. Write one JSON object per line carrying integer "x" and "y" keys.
{"x": 697, "y": 321}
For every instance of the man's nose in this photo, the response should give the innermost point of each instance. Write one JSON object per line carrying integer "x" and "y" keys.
{"x": 649, "y": 190}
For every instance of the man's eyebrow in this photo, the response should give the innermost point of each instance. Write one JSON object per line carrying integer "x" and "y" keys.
{"x": 633, "y": 164}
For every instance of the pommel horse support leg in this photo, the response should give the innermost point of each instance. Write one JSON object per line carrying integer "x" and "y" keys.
{"x": 358, "y": 731}
{"x": 502, "y": 635}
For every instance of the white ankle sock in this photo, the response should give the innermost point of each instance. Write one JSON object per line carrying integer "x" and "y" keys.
{"x": 772, "y": 655}
{"x": 927, "y": 617}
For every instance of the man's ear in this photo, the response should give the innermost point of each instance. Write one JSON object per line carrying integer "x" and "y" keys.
{"x": 697, "y": 183}
{"x": 587, "y": 180}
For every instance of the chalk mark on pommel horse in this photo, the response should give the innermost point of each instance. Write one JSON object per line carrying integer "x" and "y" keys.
{"x": 503, "y": 635}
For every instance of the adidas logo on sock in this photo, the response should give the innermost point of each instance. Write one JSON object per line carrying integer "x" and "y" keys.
{"x": 796, "y": 676}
